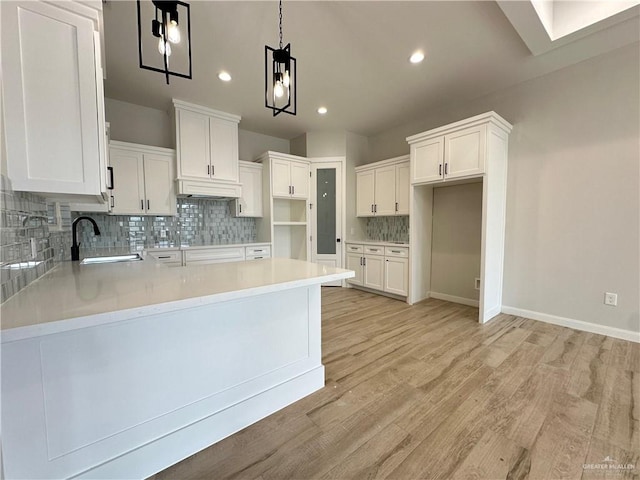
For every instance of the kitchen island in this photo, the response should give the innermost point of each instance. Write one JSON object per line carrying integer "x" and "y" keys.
{"x": 120, "y": 370}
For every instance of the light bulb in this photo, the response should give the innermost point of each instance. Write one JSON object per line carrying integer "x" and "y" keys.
{"x": 173, "y": 33}
{"x": 286, "y": 80}
{"x": 278, "y": 89}
{"x": 161, "y": 47}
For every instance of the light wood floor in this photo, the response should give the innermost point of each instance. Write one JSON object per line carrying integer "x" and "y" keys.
{"x": 425, "y": 392}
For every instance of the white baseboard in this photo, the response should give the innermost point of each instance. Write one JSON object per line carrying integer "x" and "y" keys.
{"x": 576, "y": 324}
{"x": 452, "y": 298}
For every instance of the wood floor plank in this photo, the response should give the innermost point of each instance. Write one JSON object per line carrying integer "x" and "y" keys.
{"x": 426, "y": 392}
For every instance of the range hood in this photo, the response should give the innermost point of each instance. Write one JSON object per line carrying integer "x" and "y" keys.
{"x": 208, "y": 189}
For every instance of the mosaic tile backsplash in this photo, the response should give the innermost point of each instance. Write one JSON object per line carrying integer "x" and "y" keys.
{"x": 199, "y": 222}
{"x": 388, "y": 229}
{"x": 23, "y": 216}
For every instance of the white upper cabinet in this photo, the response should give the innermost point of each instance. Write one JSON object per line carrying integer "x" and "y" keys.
{"x": 53, "y": 102}
{"x": 451, "y": 152}
{"x": 143, "y": 180}
{"x": 289, "y": 177}
{"x": 250, "y": 203}
{"x": 207, "y": 149}
{"x": 382, "y": 188}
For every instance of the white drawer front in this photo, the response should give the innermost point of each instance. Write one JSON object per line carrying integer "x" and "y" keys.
{"x": 264, "y": 251}
{"x": 166, "y": 257}
{"x": 374, "y": 250}
{"x": 215, "y": 255}
{"x": 351, "y": 248}
{"x": 396, "y": 252}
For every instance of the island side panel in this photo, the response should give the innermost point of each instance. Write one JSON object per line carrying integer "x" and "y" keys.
{"x": 134, "y": 397}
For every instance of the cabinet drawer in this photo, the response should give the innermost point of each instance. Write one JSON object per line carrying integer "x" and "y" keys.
{"x": 215, "y": 255}
{"x": 374, "y": 250}
{"x": 166, "y": 257}
{"x": 264, "y": 251}
{"x": 396, "y": 252}
{"x": 354, "y": 248}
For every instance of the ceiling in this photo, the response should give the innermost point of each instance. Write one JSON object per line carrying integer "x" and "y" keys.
{"x": 352, "y": 58}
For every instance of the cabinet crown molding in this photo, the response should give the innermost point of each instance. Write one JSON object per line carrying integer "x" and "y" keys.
{"x": 280, "y": 156}
{"x": 383, "y": 163}
{"x": 141, "y": 148}
{"x": 488, "y": 117}
{"x": 205, "y": 110}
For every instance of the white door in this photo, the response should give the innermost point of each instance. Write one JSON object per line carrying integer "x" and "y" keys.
{"x": 299, "y": 180}
{"x": 396, "y": 276}
{"x": 385, "y": 191}
{"x": 354, "y": 262}
{"x": 128, "y": 182}
{"x": 464, "y": 152}
{"x": 194, "y": 152}
{"x": 402, "y": 189}
{"x": 326, "y": 214}
{"x": 251, "y": 199}
{"x": 280, "y": 178}
{"x": 374, "y": 272}
{"x": 224, "y": 149}
{"x": 365, "y": 183}
{"x": 160, "y": 197}
{"x": 428, "y": 159}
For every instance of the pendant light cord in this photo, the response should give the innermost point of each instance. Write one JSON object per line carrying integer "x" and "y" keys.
{"x": 280, "y": 24}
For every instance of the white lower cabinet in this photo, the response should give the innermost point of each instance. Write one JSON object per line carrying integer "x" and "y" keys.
{"x": 379, "y": 267}
{"x": 175, "y": 257}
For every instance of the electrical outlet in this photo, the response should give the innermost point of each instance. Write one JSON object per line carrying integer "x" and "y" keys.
{"x": 34, "y": 247}
{"x": 611, "y": 299}
{"x": 477, "y": 283}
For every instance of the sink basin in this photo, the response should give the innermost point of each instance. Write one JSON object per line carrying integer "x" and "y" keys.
{"x": 133, "y": 257}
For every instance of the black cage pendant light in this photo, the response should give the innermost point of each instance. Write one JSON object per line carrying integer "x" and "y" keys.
{"x": 170, "y": 20}
{"x": 280, "y": 81}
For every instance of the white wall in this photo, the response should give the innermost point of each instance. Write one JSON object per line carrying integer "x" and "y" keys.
{"x": 252, "y": 145}
{"x": 573, "y": 187}
{"x": 150, "y": 126}
{"x": 137, "y": 124}
{"x": 357, "y": 154}
{"x": 457, "y": 233}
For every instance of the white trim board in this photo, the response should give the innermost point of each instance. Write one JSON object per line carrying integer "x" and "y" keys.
{"x": 452, "y": 298}
{"x": 576, "y": 324}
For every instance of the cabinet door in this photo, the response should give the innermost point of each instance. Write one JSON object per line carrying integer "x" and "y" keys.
{"x": 396, "y": 276}
{"x": 193, "y": 144}
{"x": 280, "y": 178}
{"x": 354, "y": 262}
{"x": 128, "y": 182}
{"x": 250, "y": 203}
{"x": 427, "y": 161}
{"x": 224, "y": 150}
{"x": 465, "y": 152}
{"x": 374, "y": 272}
{"x": 365, "y": 188}
{"x": 300, "y": 179}
{"x": 385, "y": 191}
{"x": 402, "y": 189}
{"x": 160, "y": 195}
{"x": 50, "y": 99}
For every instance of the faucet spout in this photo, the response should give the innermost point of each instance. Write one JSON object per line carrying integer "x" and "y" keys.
{"x": 75, "y": 247}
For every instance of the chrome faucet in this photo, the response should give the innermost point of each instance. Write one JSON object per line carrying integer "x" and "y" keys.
{"x": 75, "y": 248}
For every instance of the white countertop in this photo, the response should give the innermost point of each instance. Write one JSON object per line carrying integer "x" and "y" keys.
{"x": 379, "y": 242}
{"x": 74, "y": 296}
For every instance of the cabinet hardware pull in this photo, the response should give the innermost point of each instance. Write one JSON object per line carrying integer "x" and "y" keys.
{"x": 289, "y": 189}
{"x": 364, "y": 261}
{"x": 396, "y": 206}
{"x": 361, "y": 261}
{"x": 164, "y": 256}
{"x": 446, "y": 168}
{"x": 208, "y": 169}
{"x": 257, "y": 258}
{"x": 240, "y": 207}
{"x": 372, "y": 208}
{"x": 396, "y": 251}
{"x": 148, "y": 205}
{"x": 375, "y": 208}
{"x": 141, "y": 204}
{"x": 293, "y": 189}
{"x": 113, "y": 202}
{"x": 213, "y": 170}
{"x": 440, "y": 169}
{"x": 110, "y": 169}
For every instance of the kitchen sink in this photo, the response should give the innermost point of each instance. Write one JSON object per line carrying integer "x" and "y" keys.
{"x": 133, "y": 257}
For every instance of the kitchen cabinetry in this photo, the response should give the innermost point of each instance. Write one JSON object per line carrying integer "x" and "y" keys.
{"x": 438, "y": 156}
{"x": 285, "y": 223}
{"x": 142, "y": 180}
{"x": 207, "y": 151}
{"x": 382, "y": 188}
{"x": 250, "y": 202}
{"x": 53, "y": 98}
{"x": 168, "y": 256}
{"x": 225, "y": 253}
{"x": 379, "y": 267}
{"x": 290, "y": 178}
{"x": 476, "y": 147}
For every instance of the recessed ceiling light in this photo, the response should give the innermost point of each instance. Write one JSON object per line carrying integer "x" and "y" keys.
{"x": 322, "y": 110}
{"x": 224, "y": 76}
{"x": 416, "y": 57}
